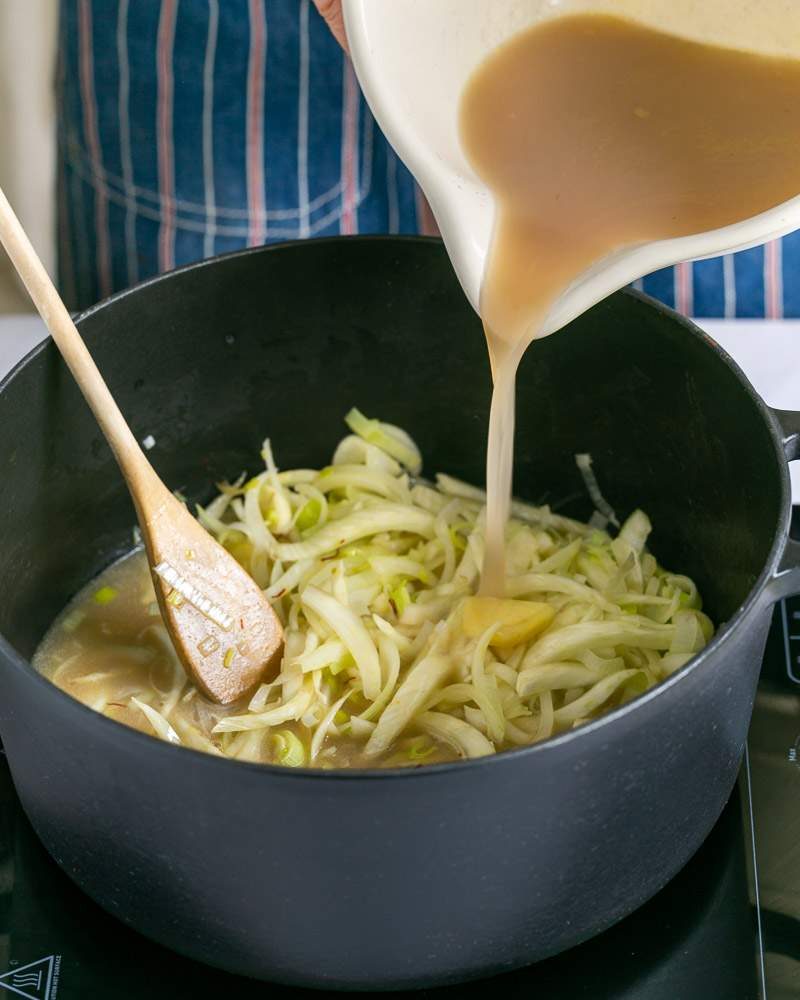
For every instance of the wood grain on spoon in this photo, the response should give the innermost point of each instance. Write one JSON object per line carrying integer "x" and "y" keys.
{"x": 223, "y": 628}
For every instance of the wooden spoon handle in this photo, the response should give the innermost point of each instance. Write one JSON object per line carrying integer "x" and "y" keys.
{"x": 65, "y": 334}
{"x": 222, "y": 626}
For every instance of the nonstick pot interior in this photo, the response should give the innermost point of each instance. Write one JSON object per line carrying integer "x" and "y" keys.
{"x": 280, "y": 342}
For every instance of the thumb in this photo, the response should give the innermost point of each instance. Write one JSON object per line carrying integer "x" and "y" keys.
{"x": 331, "y": 10}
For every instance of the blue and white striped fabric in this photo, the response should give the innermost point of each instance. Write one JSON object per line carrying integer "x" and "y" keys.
{"x": 762, "y": 283}
{"x": 192, "y": 127}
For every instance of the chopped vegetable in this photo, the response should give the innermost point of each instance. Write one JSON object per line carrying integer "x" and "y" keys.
{"x": 419, "y": 749}
{"x": 465, "y": 739}
{"x": 157, "y": 721}
{"x": 602, "y": 506}
{"x": 288, "y": 749}
{"x": 390, "y": 658}
{"x": 73, "y": 619}
{"x": 388, "y": 438}
{"x": 400, "y": 599}
{"x": 517, "y": 621}
{"x": 105, "y": 595}
{"x": 308, "y": 515}
{"x": 353, "y": 634}
{"x": 174, "y": 598}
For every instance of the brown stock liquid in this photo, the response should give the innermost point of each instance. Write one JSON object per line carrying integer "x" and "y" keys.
{"x": 595, "y": 133}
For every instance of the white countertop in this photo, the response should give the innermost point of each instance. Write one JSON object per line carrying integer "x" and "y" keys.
{"x": 767, "y": 350}
{"x": 18, "y": 334}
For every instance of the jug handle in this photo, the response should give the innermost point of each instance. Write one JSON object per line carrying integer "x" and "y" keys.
{"x": 786, "y": 580}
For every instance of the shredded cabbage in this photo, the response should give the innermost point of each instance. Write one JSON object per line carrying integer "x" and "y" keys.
{"x": 602, "y": 506}
{"x": 392, "y": 557}
{"x": 393, "y": 440}
{"x": 157, "y": 721}
{"x": 389, "y": 657}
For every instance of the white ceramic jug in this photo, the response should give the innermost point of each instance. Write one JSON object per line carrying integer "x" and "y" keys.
{"x": 413, "y": 57}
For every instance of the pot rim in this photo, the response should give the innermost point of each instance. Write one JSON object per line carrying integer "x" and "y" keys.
{"x": 152, "y": 744}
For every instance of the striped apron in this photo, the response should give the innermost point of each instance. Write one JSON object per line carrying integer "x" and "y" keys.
{"x": 188, "y": 128}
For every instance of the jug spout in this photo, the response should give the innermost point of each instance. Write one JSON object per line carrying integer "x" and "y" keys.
{"x": 413, "y": 59}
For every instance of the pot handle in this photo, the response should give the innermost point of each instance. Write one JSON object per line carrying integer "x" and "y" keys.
{"x": 786, "y": 580}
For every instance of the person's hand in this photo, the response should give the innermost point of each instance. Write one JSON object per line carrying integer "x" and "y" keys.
{"x": 331, "y": 10}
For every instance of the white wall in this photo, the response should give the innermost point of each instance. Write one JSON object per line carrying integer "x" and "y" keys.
{"x": 27, "y": 129}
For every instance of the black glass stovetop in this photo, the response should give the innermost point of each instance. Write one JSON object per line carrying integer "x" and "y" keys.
{"x": 726, "y": 928}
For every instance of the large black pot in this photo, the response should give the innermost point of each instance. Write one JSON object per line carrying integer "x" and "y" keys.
{"x": 386, "y": 879}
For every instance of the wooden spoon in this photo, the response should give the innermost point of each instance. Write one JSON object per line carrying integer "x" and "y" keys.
{"x": 223, "y": 628}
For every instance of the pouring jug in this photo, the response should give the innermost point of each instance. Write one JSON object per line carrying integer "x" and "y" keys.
{"x": 413, "y": 58}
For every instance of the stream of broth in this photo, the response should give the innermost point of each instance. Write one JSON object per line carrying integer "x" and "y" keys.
{"x": 595, "y": 133}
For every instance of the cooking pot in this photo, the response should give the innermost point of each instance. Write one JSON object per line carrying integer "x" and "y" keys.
{"x": 390, "y": 879}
